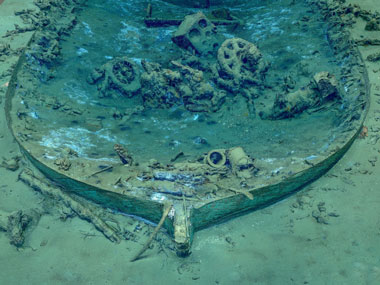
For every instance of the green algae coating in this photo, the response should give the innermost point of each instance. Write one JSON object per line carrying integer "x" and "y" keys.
{"x": 202, "y": 215}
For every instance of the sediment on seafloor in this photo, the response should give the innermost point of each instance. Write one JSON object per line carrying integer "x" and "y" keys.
{"x": 194, "y": 214}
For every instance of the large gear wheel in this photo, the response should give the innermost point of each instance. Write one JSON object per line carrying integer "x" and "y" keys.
{"x": 239, "y": 59}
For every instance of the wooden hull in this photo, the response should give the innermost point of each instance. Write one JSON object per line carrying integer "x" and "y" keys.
{"x": 188, "y": 217}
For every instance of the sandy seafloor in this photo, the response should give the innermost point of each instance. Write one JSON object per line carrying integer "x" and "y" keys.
{"x": 281, "y": 244}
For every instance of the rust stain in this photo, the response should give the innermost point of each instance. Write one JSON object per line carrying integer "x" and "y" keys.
{"x": 364, "y": 133}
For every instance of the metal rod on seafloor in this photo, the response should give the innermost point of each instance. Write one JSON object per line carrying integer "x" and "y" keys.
{"x": 165, "y": 213}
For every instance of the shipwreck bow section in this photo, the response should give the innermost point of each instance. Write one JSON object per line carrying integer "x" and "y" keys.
{"x": 219, "y": 184}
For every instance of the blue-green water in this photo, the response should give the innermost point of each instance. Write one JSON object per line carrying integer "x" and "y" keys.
{"x": 291, "y": 39}
{"x": 283, "y": 244}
